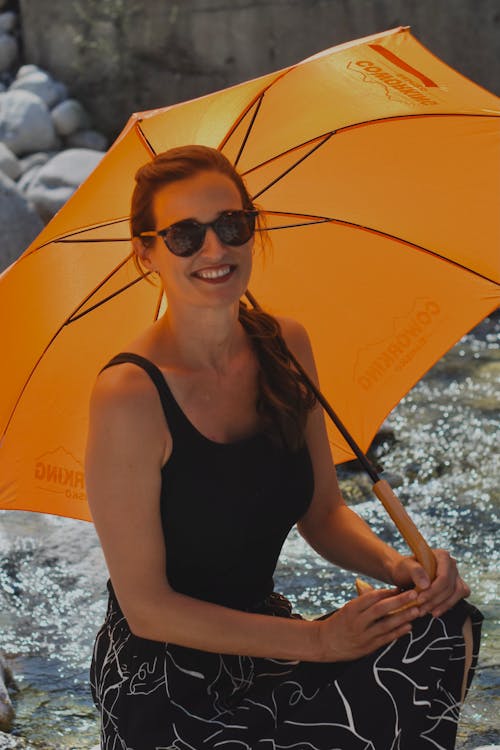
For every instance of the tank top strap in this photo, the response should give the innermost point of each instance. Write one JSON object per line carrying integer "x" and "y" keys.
{"x": 171, "y": 409}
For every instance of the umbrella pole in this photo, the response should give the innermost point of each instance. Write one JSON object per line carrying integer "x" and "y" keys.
{"x": 381, "y": 487}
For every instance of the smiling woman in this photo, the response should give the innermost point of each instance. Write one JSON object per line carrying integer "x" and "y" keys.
{"x": 205, "y": 447}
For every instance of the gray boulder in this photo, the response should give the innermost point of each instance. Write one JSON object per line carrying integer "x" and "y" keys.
{"x": 26, "y": 70}
{"x": 40, "y": 83}
{"x": 8, "y": 52}
{"x": 27, "y": 179}
{"x": 8, "y": 22}
{"x": 30, "y": 166}
{"x": 9, "y": 742}
{"x": 37, "y": 159}
{"x": 19, "y": 221}
{"x": 9, "y": 163}
{"x": 6, "y": 708}
{"x": 69, "y": 116}
{"x": 58, "y": 179}
{"x": 25, "y": 123}
{"x": 88, "y": 139}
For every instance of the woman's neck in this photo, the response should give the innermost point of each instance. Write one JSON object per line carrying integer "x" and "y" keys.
{"x": 207, "y": 338}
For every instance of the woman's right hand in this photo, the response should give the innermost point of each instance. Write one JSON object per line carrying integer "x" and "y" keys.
{"x": 366, "y": 623}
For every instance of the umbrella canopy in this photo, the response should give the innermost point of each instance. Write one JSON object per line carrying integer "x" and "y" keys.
{"x": 376, "y": 167}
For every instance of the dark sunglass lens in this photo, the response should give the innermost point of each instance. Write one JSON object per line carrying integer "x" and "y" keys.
{"x": 235, "y": 227}
{"x": 185, "y": 238}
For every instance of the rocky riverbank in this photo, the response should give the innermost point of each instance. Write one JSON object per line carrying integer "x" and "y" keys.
{"x": 47, "y": 144}
{"x": 8, "y": 742}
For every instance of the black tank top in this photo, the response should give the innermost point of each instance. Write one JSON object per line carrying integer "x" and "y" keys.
{"x": 226, "y": 508}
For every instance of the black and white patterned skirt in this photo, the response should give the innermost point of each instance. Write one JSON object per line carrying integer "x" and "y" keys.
{"x": 158, "y": 696}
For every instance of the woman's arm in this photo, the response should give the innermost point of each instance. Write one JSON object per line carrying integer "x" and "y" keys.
{"x": 128, "y": 443}
{"x": 338, "y": 534}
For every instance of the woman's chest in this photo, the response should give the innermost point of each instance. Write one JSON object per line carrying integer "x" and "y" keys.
{"x": 222, "y": 408}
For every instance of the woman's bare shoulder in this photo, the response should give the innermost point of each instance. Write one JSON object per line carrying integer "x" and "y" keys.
{"x": 124, "y": 402}
{"x": 122, "y": 386}
{"x": 296, "y": 336}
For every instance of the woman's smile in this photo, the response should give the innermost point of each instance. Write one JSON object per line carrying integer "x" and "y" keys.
{"x": 215, "y": 274}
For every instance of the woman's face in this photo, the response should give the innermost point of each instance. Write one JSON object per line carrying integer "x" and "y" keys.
{"x": 217, "y": 274}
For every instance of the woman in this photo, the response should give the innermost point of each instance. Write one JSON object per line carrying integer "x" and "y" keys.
{"x": 204, "y": 449}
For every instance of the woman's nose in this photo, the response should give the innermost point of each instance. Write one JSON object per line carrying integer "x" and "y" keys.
{"x": 212, "y": 246}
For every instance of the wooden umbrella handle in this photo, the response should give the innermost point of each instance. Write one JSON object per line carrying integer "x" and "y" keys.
{"x": 409, "y": 531}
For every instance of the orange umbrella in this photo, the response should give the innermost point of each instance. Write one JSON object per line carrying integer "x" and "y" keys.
{"x": 376, "y": 166}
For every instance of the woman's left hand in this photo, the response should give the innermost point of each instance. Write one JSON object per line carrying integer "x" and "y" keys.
{"x": 445, "y": 590}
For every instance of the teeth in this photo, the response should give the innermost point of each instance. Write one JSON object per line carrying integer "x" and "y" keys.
{"x": 214, "y": 273}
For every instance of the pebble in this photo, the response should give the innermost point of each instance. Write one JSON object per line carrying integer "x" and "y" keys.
{"x": 40, "y": 83}
{"x": 8, "y": 52}
{"x": 19, "y": 221}
{"x": 28, "y": 177}
{"x": 8, "y": 21}
{"x": 69, "y": 116}
{"x": 26, "y": 70}
{"x": 25, "y": 123}
{"x": 6, "y": 709}
{"x": 58, "y": 179}
{"x": 9, "y": 163}
{"x": 34, "y": 160}
{"x": 88, "y": 139}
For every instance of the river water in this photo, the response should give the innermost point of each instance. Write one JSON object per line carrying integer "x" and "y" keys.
{"x": 440, "y": 453}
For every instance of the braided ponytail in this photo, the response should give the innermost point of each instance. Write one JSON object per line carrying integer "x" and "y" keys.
{"x": 284, "y": 399}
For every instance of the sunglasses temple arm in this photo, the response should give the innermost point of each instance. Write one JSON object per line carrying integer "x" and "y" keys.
{"x": 381, "y": 487}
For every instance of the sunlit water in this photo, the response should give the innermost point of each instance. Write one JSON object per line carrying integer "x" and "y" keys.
{"x": 442, "y": 456}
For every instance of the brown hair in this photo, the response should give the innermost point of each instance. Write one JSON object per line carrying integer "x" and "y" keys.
{"x": 284, "y": 399}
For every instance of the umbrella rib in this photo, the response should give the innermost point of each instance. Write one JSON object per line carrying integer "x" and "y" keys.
{"x": 144, "y": 139}
{"x": 325, "y": 138}
{"x": 89, "y": 240}
{"x": 249, "y": 129}
{"x": 246, "y": 110}
{"x": 371, "y": 230}
{"x": 71, "y": 319}
{"x": 66, "y": 237}
{"x": 354, "y": 126}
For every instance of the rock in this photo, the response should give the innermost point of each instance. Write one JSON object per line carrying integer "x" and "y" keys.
{"x": 26, "y": 70}
{"x": 25, "y": 123}
{"x": 9, "y": 163}
{"x": 37, "y": 159}
{"x": 88, "y": 139}
{"x": 8, "y": 742}
{"x": 30, "y": 167}
{"x": 41, "y": 84}
{"x": 19, "y": 221}
{"x": 6, "y": 708}
{"x": 8, "y": 52}
{"x": 393, "y": 478}
{"x": 8, "y": 22}
{"x": 58, "y": 179}
{"x": 69, "y": 116}
{"x": 28, "y": 178}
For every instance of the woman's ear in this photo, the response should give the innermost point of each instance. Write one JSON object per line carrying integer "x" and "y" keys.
{"x": 143, "y": 252}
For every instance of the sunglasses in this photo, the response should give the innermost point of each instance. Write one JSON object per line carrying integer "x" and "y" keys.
{"x": 185, "y": 238}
